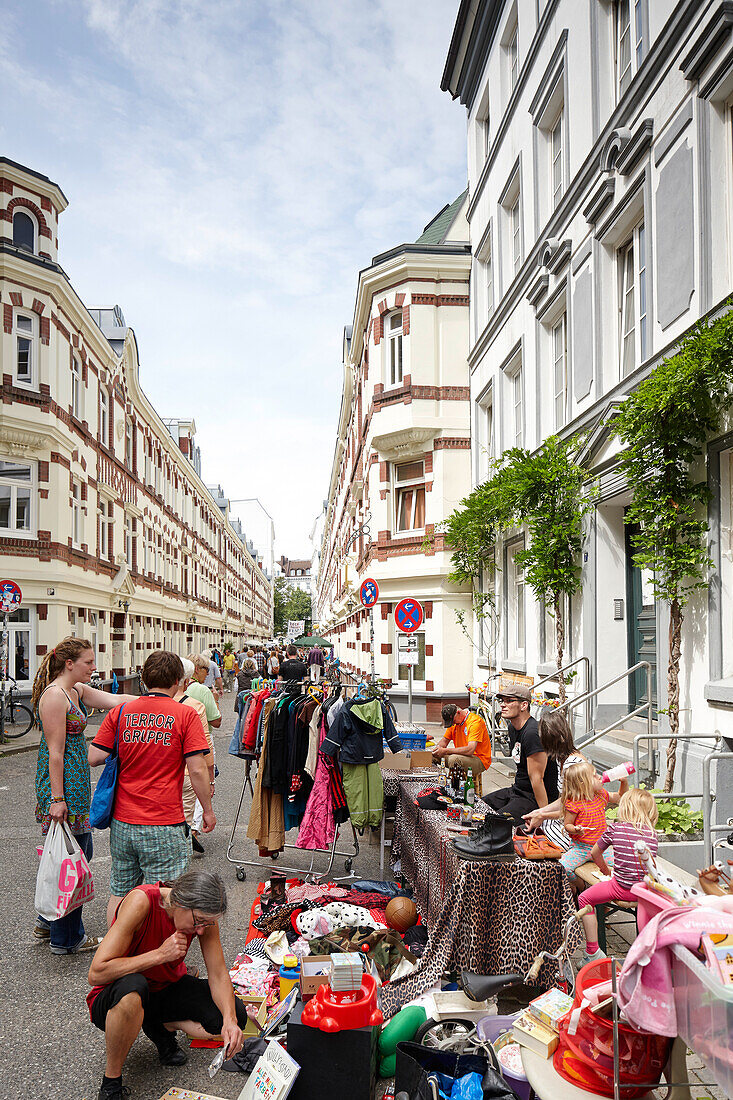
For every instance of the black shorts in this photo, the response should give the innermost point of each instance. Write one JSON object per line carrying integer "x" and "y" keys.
{"x": 187, "y": 999}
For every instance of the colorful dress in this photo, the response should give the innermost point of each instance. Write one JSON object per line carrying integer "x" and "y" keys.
{"x": 77, "y": 780}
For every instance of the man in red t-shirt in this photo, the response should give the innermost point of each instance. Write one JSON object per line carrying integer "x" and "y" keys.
{"x": 149, "y": 839}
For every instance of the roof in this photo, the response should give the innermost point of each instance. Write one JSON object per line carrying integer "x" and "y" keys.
{"x": 437, "y": 230}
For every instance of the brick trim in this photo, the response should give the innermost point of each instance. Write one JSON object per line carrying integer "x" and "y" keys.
{"x": 451, "y": 443}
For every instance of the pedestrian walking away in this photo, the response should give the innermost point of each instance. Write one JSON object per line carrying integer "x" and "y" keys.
{"x": 139, "y": 975}
{"x": 60, "y": 697}
{"x": 191, "y": 804}
{"x": 148, "y": 834}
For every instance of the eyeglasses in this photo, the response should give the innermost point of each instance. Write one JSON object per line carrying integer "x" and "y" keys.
{"x": 508, "y": 699}
{"x": 199, "y": 923}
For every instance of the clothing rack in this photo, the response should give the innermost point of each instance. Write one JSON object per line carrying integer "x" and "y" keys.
{"x": 323, "y": 688}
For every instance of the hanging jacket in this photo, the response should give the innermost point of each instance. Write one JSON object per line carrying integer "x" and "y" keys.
{"x": 249, "y": 731}
{"x": 359, "y": 740}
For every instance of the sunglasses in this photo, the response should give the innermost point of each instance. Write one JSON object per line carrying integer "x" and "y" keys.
{"x": 508, "y": 699}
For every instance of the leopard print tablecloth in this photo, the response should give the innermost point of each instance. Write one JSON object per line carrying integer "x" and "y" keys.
{"x": 492, "y": 917}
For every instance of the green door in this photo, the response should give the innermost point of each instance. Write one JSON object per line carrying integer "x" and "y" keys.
{"x": 641, "y": 621}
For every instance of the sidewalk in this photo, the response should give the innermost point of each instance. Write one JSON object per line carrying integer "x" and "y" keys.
{"x": 30, "y": 741}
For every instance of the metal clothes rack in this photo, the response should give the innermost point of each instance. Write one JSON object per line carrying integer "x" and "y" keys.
{"x": 309, "y": 874}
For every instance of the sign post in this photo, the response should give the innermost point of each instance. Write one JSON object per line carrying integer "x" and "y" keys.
{"x": 369, "y": 594}
{"x": 10, "y": 600}
{"x": 408, "y": 616}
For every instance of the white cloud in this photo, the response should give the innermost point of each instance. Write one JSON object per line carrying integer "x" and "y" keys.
{"x": 231, "y": 166}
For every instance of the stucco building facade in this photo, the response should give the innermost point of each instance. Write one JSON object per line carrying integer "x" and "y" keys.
{"x": 402, "y": 464}
{"x": 105, "y": 522}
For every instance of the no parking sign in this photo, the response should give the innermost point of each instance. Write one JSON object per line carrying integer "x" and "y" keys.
{"x": 369, "y": 592}
{"x": 408, "y": 615}
{"x": 10, "y": 597}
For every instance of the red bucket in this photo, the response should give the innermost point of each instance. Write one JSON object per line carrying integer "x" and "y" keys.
{"x": 584, "y": 1055}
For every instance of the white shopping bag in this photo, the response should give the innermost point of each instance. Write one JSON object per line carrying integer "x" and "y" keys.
{"x": 64, "y": 880}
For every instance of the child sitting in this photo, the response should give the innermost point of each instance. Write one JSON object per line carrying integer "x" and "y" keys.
{"x": 636, "y": 818}
{"x": 584, "y": 803}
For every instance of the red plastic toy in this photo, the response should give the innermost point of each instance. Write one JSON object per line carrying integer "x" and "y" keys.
{"x": 332, "y": 1011}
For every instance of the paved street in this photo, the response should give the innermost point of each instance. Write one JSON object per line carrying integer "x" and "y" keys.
{"x": 49, "y": 1050}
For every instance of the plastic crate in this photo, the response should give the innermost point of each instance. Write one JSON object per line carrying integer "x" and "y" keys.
{"x": 413, "y": 740}
{"x": 704, "y": 1009}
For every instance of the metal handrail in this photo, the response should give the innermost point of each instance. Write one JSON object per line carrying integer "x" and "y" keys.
{"x": 708, "y": 799}
{"x": 570, "y": 704}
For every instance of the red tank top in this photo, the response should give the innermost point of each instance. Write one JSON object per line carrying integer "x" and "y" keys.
{"x": 152, "y": 933}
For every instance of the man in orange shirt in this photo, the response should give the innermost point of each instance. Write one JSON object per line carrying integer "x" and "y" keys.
{"x": 465, "y": 741}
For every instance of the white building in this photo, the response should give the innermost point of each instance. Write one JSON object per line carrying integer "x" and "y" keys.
{"x": 402, "y": 464}
{"x": 601, "y": 205}
{"x": 105, "y": 522}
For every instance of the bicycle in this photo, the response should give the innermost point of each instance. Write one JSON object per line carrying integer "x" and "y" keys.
{"x": 17, "y": 717}
{"x": 461, "y": 1036}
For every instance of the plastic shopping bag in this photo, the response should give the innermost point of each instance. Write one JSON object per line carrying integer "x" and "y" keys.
{"x": 64, "y": 880}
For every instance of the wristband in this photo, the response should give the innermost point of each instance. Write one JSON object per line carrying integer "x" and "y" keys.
{"x": 62, "y": 799}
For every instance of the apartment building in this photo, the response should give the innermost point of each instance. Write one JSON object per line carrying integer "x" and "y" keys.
{"x": 402, "y": 464}
{"x": 105, "y": 522}
{"x": 600, "y": 211}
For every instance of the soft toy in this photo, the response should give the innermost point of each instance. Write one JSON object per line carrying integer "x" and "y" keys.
{"x": 314, "y": 922}
{"x": 344, "y": 915}
{"x": 401, "y": 1029}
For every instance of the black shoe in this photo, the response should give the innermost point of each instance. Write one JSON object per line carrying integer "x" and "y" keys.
{"x": 170, "y": 1054}
{"x": 197, "y": 845}
{"x": 113, "y": 1090}
{"x": 492, "y": 840}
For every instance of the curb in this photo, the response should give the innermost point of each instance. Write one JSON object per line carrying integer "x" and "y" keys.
{"x": 15, "y": 750}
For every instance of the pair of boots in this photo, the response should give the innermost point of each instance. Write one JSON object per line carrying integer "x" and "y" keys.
{"x": 492, "y": 840}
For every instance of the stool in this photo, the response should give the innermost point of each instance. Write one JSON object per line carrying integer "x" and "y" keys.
{"x": 590, "y": 874}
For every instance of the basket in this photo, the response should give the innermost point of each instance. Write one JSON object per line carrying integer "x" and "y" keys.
{"x": 585, "y": 1055}
{"x": 704, "y": 1007}
{"x": 413, "y": 741}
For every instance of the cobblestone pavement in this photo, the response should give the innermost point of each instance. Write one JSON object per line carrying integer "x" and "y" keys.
{"x": 49, "y": 1050}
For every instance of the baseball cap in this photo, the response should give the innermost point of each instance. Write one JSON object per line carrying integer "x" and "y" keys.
{"x": 517, "y": 691}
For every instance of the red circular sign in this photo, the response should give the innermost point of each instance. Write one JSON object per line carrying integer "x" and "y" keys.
{"x": 408, "y": 615}
{"x": 369, "y": 592}
{"x": 10, "y": 596}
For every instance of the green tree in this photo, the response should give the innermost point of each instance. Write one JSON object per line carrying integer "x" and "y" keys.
{"x": 664, "y": 425}
{"x": 289, "y": 602}
{"x": 298, "y": 605}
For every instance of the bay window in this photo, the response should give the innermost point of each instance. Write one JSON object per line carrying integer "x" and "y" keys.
{"x": 409, "y": 491}
{"x": 16, "y": 496}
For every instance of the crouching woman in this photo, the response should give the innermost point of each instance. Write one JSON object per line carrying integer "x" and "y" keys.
{"x": 140, "y": 980}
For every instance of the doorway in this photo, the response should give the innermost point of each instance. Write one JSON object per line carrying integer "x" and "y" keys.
{"x": 641, "y": 626}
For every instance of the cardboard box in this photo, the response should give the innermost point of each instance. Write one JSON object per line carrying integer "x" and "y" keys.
{"x": 420, "y": 758}
{"x": 309, "y": 979}
{"x": 260, "y": 1015}
{"x": 550, "y": 1007}
{"x": 395, "y": 762}
{"x": 530, "y": 1033}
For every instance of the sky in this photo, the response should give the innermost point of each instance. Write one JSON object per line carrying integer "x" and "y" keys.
{"x": 230, "y": 167}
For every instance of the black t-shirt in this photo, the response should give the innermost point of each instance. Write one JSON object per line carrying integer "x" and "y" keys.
{"x": 526, "y": 742}
{"x": 293, "y": 669}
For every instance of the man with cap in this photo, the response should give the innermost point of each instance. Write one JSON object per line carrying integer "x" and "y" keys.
{"x": 466, "y": 740}
{"x": 535, "y": 783}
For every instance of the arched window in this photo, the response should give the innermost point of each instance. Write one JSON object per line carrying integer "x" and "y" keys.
{"x": 24, "y": 231}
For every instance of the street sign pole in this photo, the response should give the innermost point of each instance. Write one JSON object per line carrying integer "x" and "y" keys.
{"x": 4, "y": 674}
{"x": 371, "y": 638}
{"x": 369, "y": 594}
{"x": 409, "y": 694}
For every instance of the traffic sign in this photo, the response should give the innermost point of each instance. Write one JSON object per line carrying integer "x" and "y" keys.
{"x": 369, "y": 592}
{"x": 407, "y": 643}
{"x": 408, "y": 615}
{"x": 10, "y": 597}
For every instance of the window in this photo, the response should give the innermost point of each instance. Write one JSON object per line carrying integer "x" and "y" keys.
{"x": 409, "y": 496}
{"x": 20, "y": 654}
{"x": 129, "y": 446}
{"x": 16, "y": 494}
{"x": 77, "y": 389}
{"x": 629, "y": 41}
{"x": 484, "y": 434}
{"x": 556, "y": 156}
{"x": 560, "y": 371}
{"x": 418, "y": 670}
{"x": 515, "y": 636}
{"x": 633, "y": 301}
{"x": 105, "y": 526}
{"x": 103, "y": 417}
{"x": 394, "y": 348}
{"x": 92, "y": 631}
{"x": 489, "y": 283}
{"x": 76, "y": 515}
{"x": 516, "y": 228}
{"x": 158, "y": 475}
{"x": 25, "y": 348}
{"x": 512, "y": 50}
{"x": 24, "y": 231}
{"x": 517, "y": 408}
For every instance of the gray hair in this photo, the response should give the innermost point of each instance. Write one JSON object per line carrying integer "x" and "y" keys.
{"x": 202, "y": 890}
{"x": 188, "y": 668}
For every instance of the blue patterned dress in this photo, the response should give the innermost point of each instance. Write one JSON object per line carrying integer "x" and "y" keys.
{"x": 77, "y": 780}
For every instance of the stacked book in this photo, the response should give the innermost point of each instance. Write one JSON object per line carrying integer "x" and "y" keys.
{"x": 346, "y": 972}
{"x": 538, "y": 1026}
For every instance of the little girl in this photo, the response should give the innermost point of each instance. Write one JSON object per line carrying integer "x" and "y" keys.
{"x": 584, "y": 802}
{"x": 636, "y": 818}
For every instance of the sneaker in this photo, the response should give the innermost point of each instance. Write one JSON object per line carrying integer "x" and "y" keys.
{"x": 170, "y": 1054}
{"x": 113, "y": 1090}
{"x": 594, "y": 957}
{"x": 41, "y": 931}
{"x": 89, "y": 943}
{"x": 198, "y": 848}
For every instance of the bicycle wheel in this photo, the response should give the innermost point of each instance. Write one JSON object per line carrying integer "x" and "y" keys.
{"x": 18, "y": 719}
{"x": 454, "y": 1035}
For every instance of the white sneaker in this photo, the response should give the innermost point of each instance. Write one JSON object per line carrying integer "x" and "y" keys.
{"x": 592, "y": 958}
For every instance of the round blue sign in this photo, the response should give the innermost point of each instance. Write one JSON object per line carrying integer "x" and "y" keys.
{"x": 408, "y": 615}
{"x": 369, "y": 592}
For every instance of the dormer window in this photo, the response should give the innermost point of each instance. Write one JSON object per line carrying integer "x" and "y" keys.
{"x": 393, "y": 331}
{"x": 24, "y": 231}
